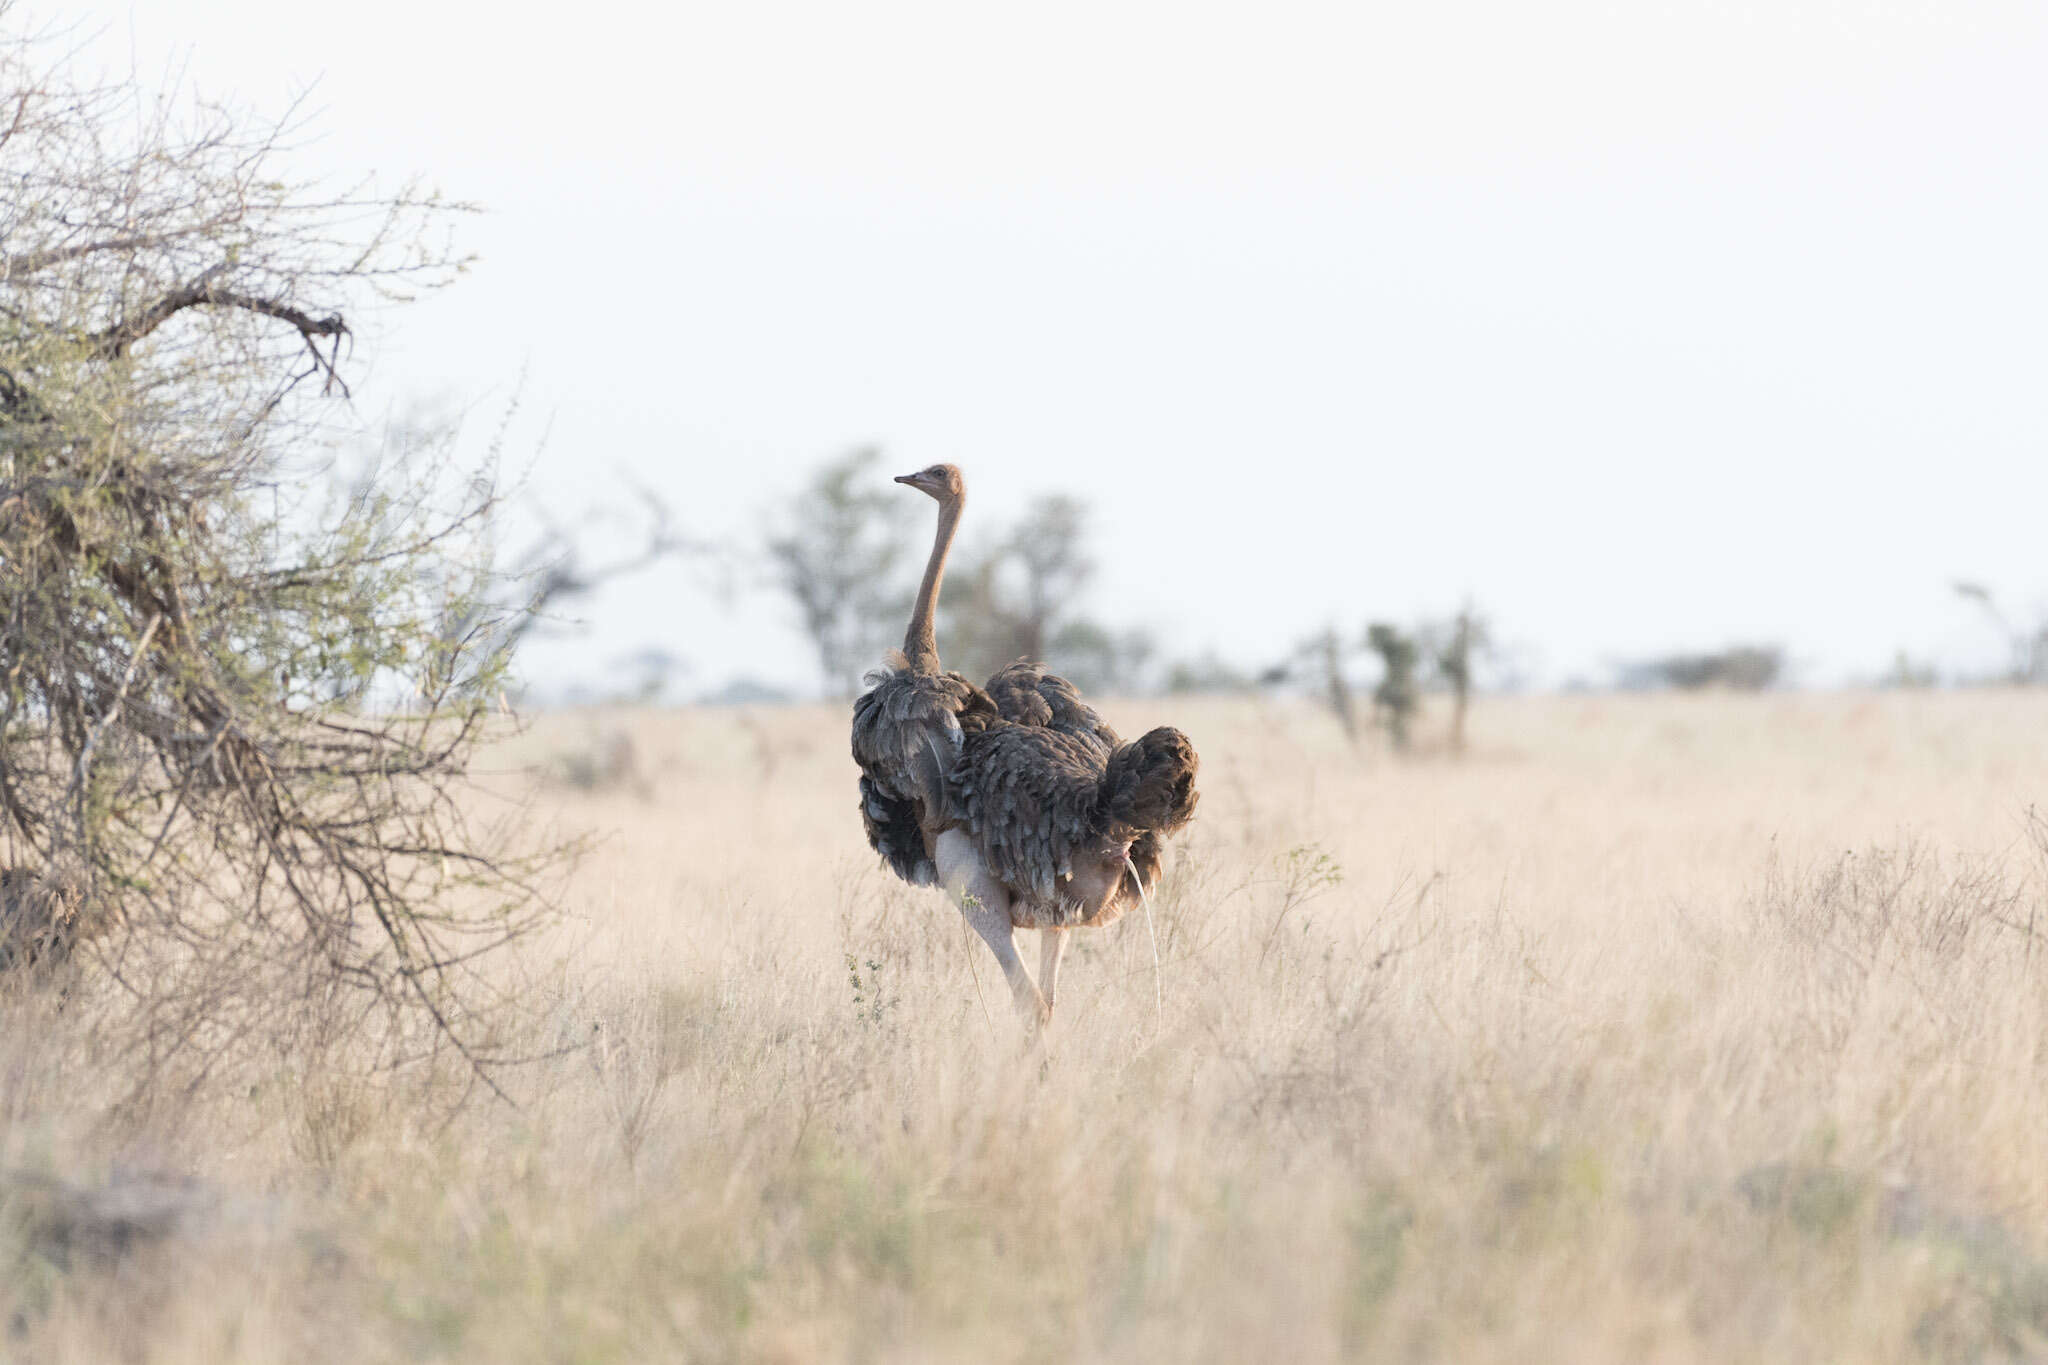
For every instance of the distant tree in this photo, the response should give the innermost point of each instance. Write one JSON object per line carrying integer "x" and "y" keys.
{"x": 1047, "y": 546}
{"x": 1097, "y": 659}
{"x": 1397, "y": 696}
{"x": 745, "y": 691}
{"x": 1336, "y": 687}
{"x": 1206, "y": 673}
{"x": 1019, "y": 599}
{"x": 1454, "y": 649}
{"x": 653, "y": 671}
{"x": 845, "y": 549}
{"x": 837, "y": 552}
{"x": 1907, "y": 673}
{"x": 1738, "y": 668}
{"x": 2027, "y": 646}
{"x": 980, "y": 628}
{"x": 1444, "y": 653}
{"x": 1319, "y": 662}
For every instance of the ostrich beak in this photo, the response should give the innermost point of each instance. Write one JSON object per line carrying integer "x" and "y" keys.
{"x": 910, "y": 479}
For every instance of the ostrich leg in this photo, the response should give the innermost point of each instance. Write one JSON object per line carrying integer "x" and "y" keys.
{"x": 1052, "y": 943}
{"x": 986, "y": 905}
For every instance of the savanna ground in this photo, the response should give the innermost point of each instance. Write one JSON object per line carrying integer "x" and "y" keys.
{"x": 1659, "y": 1028}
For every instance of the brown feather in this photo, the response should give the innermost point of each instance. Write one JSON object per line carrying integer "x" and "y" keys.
{"x": 907, "y": 732}
{"x": 1038, "y": 802}
{"x": 1026, "y": 694}
{"x": 1150, "y": 785}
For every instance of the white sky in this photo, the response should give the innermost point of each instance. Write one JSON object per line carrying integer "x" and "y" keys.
{"x": 1651, "y": 325}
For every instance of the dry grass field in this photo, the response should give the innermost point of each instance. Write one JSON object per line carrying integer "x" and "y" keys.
{"x": 1658, "y": 1029}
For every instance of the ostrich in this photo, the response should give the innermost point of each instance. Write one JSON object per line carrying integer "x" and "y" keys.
{"x": 1018, "y": 799}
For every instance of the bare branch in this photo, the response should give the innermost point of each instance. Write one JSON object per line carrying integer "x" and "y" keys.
{"x": 113, "y": 342}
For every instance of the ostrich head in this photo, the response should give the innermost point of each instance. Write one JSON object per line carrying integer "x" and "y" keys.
{"x": 942, "y": 481}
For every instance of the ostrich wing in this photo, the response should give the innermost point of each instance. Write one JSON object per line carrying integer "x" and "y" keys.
{"x": 907, "y": 734}
{"x": 1027, "y": 796}
{"x": 1026, "y": 694}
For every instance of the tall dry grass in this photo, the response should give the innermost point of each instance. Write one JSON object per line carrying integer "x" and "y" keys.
{"x": 1659, "y": 1029}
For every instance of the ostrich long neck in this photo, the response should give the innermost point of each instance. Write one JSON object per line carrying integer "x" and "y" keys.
{"x": 921, "y": 642}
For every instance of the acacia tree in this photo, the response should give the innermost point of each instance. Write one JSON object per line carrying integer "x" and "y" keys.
{"x": 2028, "y": 644}
{"x": 234, "y": 711}
{"x": 844, "y": 549}
{"x": 1017, "y": 600}
{"x": 1454, "y": 648}
{"x": 835, "y": 553}
{"x": 1321, "y": 661}
{"x": 1396, "y": 696}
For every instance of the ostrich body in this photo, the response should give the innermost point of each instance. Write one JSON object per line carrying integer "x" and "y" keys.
{"x": 1018, "y": 798}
